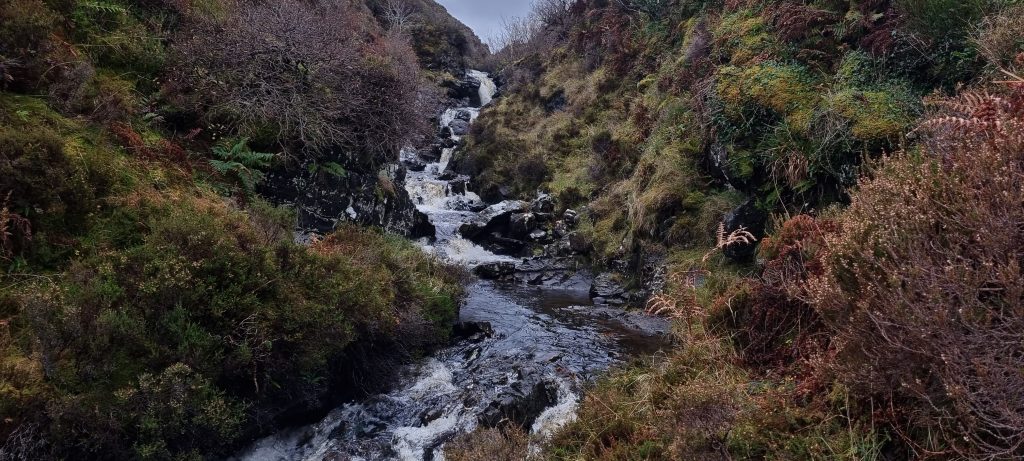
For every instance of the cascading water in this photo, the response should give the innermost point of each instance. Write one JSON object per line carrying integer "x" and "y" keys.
{"x": 543, "y": 346}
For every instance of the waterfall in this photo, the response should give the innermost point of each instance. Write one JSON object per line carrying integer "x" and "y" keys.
{"x": 487, "y": 86}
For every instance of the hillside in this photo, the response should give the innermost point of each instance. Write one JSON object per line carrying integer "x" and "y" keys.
{"x": 152, "y": 304}
{"x": 799, "y": 186}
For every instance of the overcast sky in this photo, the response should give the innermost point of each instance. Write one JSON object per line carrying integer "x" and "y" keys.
{"x": 485, "y": 16}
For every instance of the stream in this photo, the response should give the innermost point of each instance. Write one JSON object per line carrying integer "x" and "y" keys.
{"x": 525, "y": 352}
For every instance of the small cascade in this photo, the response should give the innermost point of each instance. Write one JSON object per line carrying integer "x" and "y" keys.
{"x": 535, "y": 349}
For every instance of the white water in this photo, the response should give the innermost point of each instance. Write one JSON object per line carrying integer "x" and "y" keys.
{"x": 537, "y": 335}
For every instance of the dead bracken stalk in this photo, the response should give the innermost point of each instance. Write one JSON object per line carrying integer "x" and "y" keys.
{"x": 725, "y": 240}
{"x": 11, "y": 226}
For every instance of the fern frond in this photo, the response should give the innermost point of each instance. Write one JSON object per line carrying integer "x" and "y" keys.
{"x": 104, "y": 7}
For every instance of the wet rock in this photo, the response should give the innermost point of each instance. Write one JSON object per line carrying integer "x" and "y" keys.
{"x": 495, "y": 271}
{"x": 431, "y": 153}
{"x": 539, "y": 235}
{"x": 560, "y": 229}
{"x": 545, "y": 218}
{"x": 464, "y": 115}
{"x": 521, "y": 225}
{"x": 749, "y": 217}
{"x": 605, "y": 287}
{"x": 495, "y": 218}
{"x": 457, "y": 186}
{"x": 414, "y": 164}
{"x": 429, "y": 415}
{"x": 472, "y": 330}
{"x": 448, "y": 176}
{"x": 502, "y": 245}
{"x": 463, "y": 203}
{"x": 459, "y": 127}
{"x": 324, "y": 200}
{"x": 466, "y": 89}
{"x": 544, "y": 203}
{"x": 571, "y": 218}
{"x": 521, "y": 403}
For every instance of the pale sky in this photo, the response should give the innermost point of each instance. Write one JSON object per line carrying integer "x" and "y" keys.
{"x": 485, "y": 16}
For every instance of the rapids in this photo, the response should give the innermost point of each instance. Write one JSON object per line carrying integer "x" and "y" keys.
{"x": 547, "y": 342}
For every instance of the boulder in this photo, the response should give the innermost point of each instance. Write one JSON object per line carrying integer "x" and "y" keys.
{"x": 521, "y": 403}
{"x": 498, "y": 244}
{"x": 495, "y": 270}
{"x": 474, "y": 331}
{"x": 571, "y": 218}
{"x": 495, "y": 218}
{"x": 544, "y": 203}
{"x": 521, "y": 225}
{"x": 459, "y": 127}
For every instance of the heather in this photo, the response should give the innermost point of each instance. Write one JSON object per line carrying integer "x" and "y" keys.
{"x": 152, "y": 304}
{"x": 832, "y": 188}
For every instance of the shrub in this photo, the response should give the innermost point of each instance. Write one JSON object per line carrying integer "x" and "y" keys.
{"x": 309, "y": 74}
{"x": 923, "y": 283}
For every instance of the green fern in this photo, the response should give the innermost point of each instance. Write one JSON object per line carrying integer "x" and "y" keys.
{"x": 241, "y": 162}
{"x": 104, "y": 7}
{"x": 331, "y": 168}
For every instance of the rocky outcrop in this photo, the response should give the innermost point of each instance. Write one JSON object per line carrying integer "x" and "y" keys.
{"x": 495, "y": 271}
{"x": 325, "y": 198}
{"x": 521, "y": 402}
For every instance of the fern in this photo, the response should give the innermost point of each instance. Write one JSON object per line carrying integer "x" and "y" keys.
{"x": 103, "y": 7}
{"x": 331, "y": 168}
{"x": 241, "y": 162}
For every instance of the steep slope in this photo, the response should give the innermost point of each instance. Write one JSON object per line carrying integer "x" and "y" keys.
{"x": 714, "y": 148}
{"x": 152, "y": 304}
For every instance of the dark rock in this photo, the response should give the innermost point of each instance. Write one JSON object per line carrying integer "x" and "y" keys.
{"x": 605, "y": 286}
{"x": 457, "y": 186}
{"x": 431, "y": 153}
{"x": 571, "y": 218}
{"x": 459, "y": 127}
{"x": 495, "y": 218}
{"x": 323, "y": 200}
{"x": 430, "y": 414}
{"x": 495, "y": 271}
{"x": 422, "y": 227}
{"x": 521, "y": 403}
{"x": 543, "y": 204}
{"x": 414, "y": 164}
{"x": 560, "y": 229}
{"x": 465, "y": 89}
{"x": 555, "y": 102}
{"x": 544, "y": 217}
{"x": 472, "y": 330}
{"x": 448, "y": 176}
{"x": 749, "y": 217}
{"x": 498, "y": 244}
{"x": 521, "y": 225}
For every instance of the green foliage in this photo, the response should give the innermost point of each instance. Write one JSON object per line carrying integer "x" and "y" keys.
{"x": 237, "y": 160}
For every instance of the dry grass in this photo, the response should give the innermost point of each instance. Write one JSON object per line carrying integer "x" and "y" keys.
{"x": 509, "y": 443}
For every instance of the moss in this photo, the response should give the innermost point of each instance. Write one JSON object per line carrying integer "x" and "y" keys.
{"x": 874, "y": 115}
{"x": 744, "y": 36}
{"x": 786, "y": 89}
